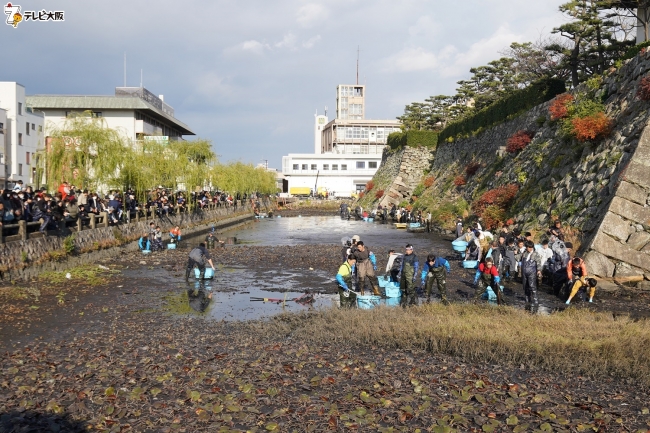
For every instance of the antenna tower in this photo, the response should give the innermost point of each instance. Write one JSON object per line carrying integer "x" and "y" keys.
{"x": 357, "y": 65}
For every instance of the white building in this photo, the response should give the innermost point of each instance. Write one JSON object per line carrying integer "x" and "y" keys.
{"x": 21, "y": 132}
{"x": 347, "y": 150}
{"x": 134, "y": 111}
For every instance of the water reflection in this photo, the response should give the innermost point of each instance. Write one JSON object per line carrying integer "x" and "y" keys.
{"x": 200, "y": 296}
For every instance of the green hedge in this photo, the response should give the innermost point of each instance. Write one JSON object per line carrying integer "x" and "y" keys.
{"x": 632, "y": 52}
{"x": 512, "y": 105}
{"x": 397, "y": 140}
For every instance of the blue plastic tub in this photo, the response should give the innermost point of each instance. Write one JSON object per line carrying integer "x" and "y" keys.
{"x": 490, "y": 295}
{"x": 392, "y": 302}
{"x": 370, "y": 220}
{"x": 459, "y": 248}
{"x": 383, "y": 281}
{"x": 171, "y": 246}
{"x": 459, "y": 243}
{"x": 368, "y": 302}
{"x": 145, "y": 252}
{"x": 392, "y": 290}
{"x": 470, "y": 264}
{"x": 209, "y": 273}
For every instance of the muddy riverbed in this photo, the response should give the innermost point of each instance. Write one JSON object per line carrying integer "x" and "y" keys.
{"x": 133, "y": 347}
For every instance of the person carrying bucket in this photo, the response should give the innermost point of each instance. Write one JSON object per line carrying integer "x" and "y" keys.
{"x": 175, "y": 235}
{"x": 407, "y": 274}
{"x": 435, "y": 270}
{"x": 344, "y": 279}
{"x": 366, "y": 267}
{"x": 198, "y": 258}
{"x": 487, "y": 275}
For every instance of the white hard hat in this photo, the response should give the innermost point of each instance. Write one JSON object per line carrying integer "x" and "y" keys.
{"x": 356, "y": 238}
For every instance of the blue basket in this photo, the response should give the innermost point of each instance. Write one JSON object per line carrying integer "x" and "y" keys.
{"x": 392, "y": 290}
{"x": 490, "y": 295}
{"x": 470, "y": 264}
{"x": 459, "y": 244}
{"x": 368, "y": 302}
{"x": 370, "y": 220}
{"x": 383, "y": 281}
{"x": 209, "y": 273}
{"x": 459, "y": 248}
{"x": 171, "y": 246}
{"x": 392, "y": 302}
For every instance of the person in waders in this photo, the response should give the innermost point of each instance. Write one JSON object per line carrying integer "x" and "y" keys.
{"x": 198, "y": 258}
{"x": 211, "y": 240}
{"x": 486, "y": 276}
{"x": 344, "y": 281}
{"x": 366, "y": 267}
{"x": 407, "y": 275}
{"x": 435, "y": 270}
{"x": 531, "y": 270}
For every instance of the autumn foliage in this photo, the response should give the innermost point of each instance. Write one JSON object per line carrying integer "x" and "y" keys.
{"x": 518, "y": 141}
{"x": 361, "y": 194}
{"x": 493, "y": 204}
{"x": 559, "y": 108}
{"x": 472, "y": 168}
{"x": 379, "y": 193}
{"x": 370, "y": 185}
{"x": 643, "y": 92}
{"x": 429, "y": 181}
{"x": 460, "y": 180}
{"x": 591, "y": 127}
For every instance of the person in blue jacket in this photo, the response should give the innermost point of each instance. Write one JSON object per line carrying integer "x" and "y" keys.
{"x": 435, "y": 270}
{"x": 144, "y": 243}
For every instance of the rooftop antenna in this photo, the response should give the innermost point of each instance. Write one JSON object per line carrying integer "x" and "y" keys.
{"x": 125, "y": 69}
{"x": 326, "y": 111}
{"x": 357, "y": 65}
{"x": 140, "y": 77}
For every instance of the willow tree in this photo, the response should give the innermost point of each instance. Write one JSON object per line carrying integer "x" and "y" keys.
{"x": 243, "y": 178}
{"x": 84, "y": 151}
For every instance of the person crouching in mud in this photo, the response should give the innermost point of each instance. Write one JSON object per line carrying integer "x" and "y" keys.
{"x": 344, "y": 279}
{"x": 487, "y": 275}
{"x": 199, "y": 257}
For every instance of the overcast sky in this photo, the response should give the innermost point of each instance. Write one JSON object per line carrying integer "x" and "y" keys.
{"x": 249, "y": 74}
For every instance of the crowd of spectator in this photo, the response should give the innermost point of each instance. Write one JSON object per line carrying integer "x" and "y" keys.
{"x": 69, "y": 203}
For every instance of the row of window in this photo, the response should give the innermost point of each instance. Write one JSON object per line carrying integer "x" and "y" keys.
{"x": 361, "y": 165}
{"x": 361, "y": 132}
{"x": 351, "y": 91}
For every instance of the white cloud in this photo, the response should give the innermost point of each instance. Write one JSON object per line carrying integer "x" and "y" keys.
{"x": 310, "y": 14}
{"x": 288, "y": 41}
{"x": 412, "y": 59}
{"x": 311, "y": 42}
{"x": 252, "y": 46}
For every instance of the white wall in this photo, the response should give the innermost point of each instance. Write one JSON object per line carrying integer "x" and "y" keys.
{"x": 22, "y": 155}
{"x": 120, "y": 120}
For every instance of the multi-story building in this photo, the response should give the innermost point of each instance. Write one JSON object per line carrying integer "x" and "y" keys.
{"x": 347, "y": 150}
{"x": 4, "y": 159}
{"x": 22, "y": 134}
{"x": 134, "y": 111}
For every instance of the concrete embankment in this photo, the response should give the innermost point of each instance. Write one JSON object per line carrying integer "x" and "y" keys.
{"x": 24, "y": 260}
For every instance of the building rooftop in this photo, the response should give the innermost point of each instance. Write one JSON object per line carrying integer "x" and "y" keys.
{"x": 106, "y": 102}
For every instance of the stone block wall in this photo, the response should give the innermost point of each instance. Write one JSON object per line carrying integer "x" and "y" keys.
{"x": 409, "y": 165}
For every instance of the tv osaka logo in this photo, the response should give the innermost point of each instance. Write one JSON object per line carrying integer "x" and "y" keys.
{"x": 14, "y": 15}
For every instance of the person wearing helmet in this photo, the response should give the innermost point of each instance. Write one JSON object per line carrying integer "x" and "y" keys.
{"x": 435, "y": 270}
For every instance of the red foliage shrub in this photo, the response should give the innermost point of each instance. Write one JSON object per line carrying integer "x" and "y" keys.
{"x": 361, "y": 194}
{"x": 591, "y": 127}
{"x": 460, "y": 180}
{"x": 472, "y": 168}
{"x": 493, "y": 216}
{"x": 510, "y": 222}
{"x": 643, "y": 92}
{"x": 518, "y": 141}
{"x": 370, "y": 185}
{"x": 379, "y": 193}
{"x": 429, "y": 181}
{"x": 500, "y": 197}
{"x": 559, "y": 107}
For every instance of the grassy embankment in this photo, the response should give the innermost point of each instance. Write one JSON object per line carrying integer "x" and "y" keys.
{"x": 577, "y": 342}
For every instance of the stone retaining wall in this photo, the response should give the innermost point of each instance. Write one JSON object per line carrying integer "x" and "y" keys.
{"x": 91, "y": 243}
{"x": 408, "y": 166}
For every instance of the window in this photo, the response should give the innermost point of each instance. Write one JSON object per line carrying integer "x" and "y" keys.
{"x": 20, "y": 108}
{"x": 372, "y": 164}
{"x": 344, "y": 166}
{"x": 314, "y": 167}
{"x": 20, "y": 139}
{"x": 326, "y": 166}
{"x": 1, "y": 127}
{"x": 335, "y": 166}
{"x": 40, "y": 128}
{"x": 20, "y": 169}
{"x": 27, "y": 158}
{"x": 361, "y": 164}
{"x": 33, "y": 127}
{"x": 304, "y": 166}
{"x": 296, "y": 167}
{"x": 27, "y": 128}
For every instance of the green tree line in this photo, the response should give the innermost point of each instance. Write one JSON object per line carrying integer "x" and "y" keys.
{"x": 85, "y": 152}
{"x": 597, "y": 34}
